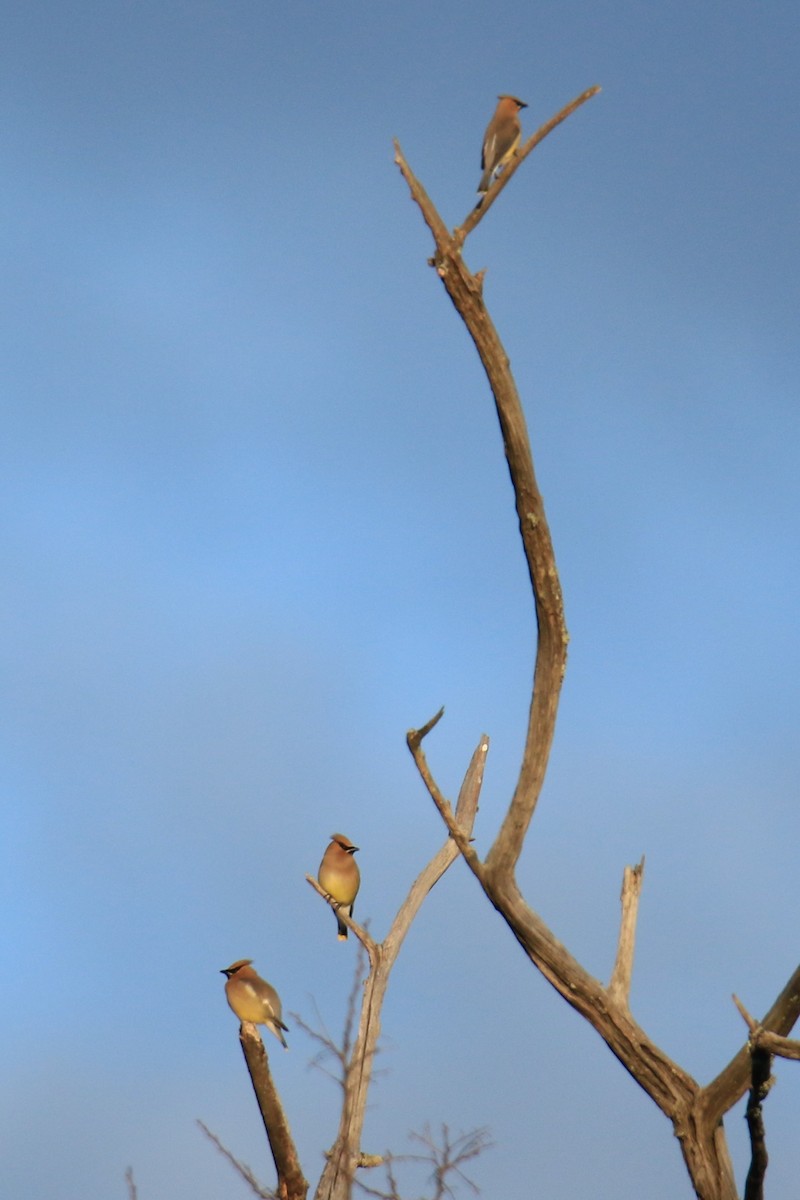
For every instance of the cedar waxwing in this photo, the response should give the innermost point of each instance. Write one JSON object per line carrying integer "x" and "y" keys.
{"x": 501, "y": 138}
{"x": 339, "y": 876}
{"x": 253, "y": 999}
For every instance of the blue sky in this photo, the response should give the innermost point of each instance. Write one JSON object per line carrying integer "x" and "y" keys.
{"x": 257, "y": 523}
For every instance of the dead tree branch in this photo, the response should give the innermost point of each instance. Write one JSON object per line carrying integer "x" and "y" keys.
{"x": 241, "y": 1168}
{"x": 447, "y": 1156}
{"x": 764, "y": 1039}
{"x": 763, "y": 1044}
{"x": 338, "y": 1050}
{"x": 345, "y": 1155}
{"x": 619, "y": 988}
{"x": 761, "y": 1083}
{"x": 731, "y": 1084}
{"x": 361, "y": 933}
{"x": 292, "y": 1184}
{"x": 465, "y": 291}
{"x": 695, "y": 1112}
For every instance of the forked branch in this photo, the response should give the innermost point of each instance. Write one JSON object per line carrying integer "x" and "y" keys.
{"x": 345, "y": 1156}
{"x": 465, "y": 291}
{"x": 695, "y": 1112}
{"x": 357, "y": 1053}
{"x": 480, "y": 210}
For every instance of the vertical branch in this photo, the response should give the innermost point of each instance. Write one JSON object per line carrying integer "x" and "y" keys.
{"x": 761, "y": 1082}
{"x": 466, "y": 292}
{"x": 620, "y": 986}
{"x": 762, "y": 1045}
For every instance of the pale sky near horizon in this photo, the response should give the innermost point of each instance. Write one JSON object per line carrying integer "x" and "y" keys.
{"x": 257, "y": 523}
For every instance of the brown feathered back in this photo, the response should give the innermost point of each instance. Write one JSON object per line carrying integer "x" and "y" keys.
{"x": 501, "y": 138}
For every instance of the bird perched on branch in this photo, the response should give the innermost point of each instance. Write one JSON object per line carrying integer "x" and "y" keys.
{"x": 501, "y": 138}
{"x": 253, "y": 999}
{"x": 339, "y": 877}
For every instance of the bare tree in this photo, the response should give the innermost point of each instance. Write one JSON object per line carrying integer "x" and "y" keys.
{"x": 696, "y": 1112}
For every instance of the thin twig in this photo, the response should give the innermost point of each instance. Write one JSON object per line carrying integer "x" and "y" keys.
{"x": 414, "y": 739}
{"x": 447, "y": 1156}
{"x": 242, "y": 1168}
{"x": 329, "y": 1047}
{"x": 132, "y": 1193}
